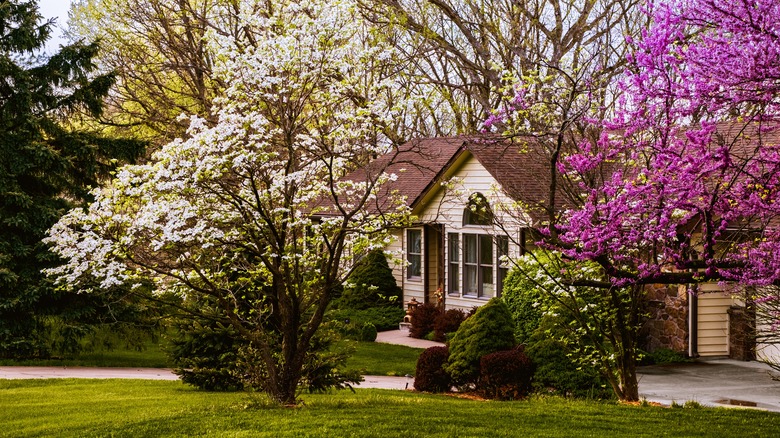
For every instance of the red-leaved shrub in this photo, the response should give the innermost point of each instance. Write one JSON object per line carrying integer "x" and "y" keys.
{"x": 423, "y": 318}
{"x": 505, "y": 375}
{"x": 447, "y": 322}
{"x": 429, "y": 375}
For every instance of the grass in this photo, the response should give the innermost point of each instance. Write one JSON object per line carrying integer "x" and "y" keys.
{"x": 151, "y": 356}
{"x": 371, "y": 358}
{"x": 125, "y": 408}
{"x": 377, "y": 359}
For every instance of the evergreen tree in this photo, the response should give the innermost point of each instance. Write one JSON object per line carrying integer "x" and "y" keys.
{"x": 372, "y": 284}
{"x": 47, "y": 165}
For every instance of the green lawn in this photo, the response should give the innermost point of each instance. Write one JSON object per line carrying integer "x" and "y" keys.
{"x": 151, "y": 356}
{"x": 370, "y": 357}
{"x": 377, "y": 359}
{"x": 136, "y": 408}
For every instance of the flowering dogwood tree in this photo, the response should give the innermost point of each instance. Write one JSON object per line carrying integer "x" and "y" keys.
{"x": 254, "y": 211}
{"x": 681, "y": 185}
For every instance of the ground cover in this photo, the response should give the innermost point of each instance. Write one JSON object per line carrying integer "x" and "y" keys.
{"x": 137, "y": 408}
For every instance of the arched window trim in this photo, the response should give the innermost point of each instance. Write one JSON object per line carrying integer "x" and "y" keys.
{"x": 477, "y": 211}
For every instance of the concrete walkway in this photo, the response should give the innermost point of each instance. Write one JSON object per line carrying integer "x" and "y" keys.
{"x": 401, "y": 337}
{"x": 86, "y": 373}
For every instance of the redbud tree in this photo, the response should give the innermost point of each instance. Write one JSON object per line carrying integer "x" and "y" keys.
{"x": 679, "y": 184}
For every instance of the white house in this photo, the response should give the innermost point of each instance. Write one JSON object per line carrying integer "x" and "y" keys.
{"x": 467, "y": 196}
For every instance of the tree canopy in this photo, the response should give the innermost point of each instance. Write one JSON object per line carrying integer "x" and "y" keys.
{"x": 678, "y": 183}
{"x": 47, "y": 164}
{"x": 256, "y": 211}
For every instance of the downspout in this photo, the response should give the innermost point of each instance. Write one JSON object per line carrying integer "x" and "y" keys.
{"x": 693, "y": 321}
{"x": 442, "y": 264}
{"x": 425, "y": 265}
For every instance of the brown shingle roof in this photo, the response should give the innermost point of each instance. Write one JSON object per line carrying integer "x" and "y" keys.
{"x": 417, "y": 163}
{"x": 522, "y": 172}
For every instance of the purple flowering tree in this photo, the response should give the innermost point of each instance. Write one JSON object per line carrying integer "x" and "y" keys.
{"x": 681, "y": 185}
{"x": 691, "y": 158}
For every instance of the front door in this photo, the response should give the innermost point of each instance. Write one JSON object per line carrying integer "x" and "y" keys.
{"x": 434, "y": 264}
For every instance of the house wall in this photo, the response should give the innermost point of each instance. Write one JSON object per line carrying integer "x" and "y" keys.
{"x": 713, "y": 322}
{"x": 394, "y": 252}
{"x": 446, "y": 207}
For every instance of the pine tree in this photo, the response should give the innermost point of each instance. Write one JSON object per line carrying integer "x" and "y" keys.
{"x": 47, "y": 164}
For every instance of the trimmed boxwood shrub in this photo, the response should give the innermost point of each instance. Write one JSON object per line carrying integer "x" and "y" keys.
{"x": 447, "y": 322}
{"x": 367, "y": 333}
{"x": 505, "y": 375}
{"x": 429, "y": 375}
{"x": 488, "y": 331}
{"x": 423, "y": 319}
{"x": 371, "y": 284}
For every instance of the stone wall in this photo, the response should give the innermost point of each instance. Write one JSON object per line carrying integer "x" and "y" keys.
{"x": 667, "y": 322}
{"x": 742, "y": 333}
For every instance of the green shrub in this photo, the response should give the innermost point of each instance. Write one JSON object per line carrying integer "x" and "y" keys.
{"x": 557, "y": 373}
{"x": 664, "y": 356}
{"x": 383, "y": 318}
{"x": 505, "y": 375}
{"x": 429, "y": 374}
{"x": 368, "y": 333}
{"x": 423, "y": 318}
{"x": 488, "y": 331}
{"x": 447, "y": 322}
{"x": 523, "y": 300}
{"x": 204, "y": 354}
{"x": 371, "y": 284}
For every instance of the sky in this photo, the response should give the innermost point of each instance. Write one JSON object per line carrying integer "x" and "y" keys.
{"x": 55, "y": 9}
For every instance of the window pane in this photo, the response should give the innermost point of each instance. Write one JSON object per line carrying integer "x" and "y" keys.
{"x": 453, "y": 240}
{"x": 415, "y": 241}
{"x": 454, "y": 243}
{"x": 470, "y": 248}
{"x": 487, "y": 281}
{"x": 414, "y": 253}
{"x": 470, "y": 279}
{"x": 454, "y": 278}
{"x": 477, "y": 211}
{"x": 415, "y": 267}
{"x": 485, "y": 250}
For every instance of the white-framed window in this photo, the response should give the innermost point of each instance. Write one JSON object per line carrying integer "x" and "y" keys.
{"x": 414, "y": 253}
{"x": 475, "y": 268}
{"x": 478, "y": 265}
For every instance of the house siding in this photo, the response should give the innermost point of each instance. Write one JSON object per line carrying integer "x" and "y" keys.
{"x": 446, "y": 207}
{"x": 394, "y": 252}
{"x": 413, "y": 287}
{"x": 712, "y": 321}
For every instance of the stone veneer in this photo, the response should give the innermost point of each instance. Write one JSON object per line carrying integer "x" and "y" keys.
{"x": 667, "y": 322}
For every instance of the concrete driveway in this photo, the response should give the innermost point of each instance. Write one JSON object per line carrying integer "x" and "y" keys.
{"x": 721, "y": 382}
